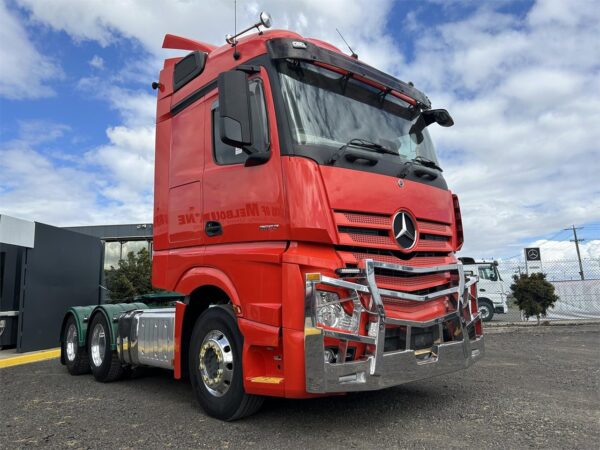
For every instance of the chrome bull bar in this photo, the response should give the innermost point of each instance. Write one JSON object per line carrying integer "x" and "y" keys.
{"x": 379, "y": 369}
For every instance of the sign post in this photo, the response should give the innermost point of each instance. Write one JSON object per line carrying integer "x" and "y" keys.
{"x": 533, "y": 260}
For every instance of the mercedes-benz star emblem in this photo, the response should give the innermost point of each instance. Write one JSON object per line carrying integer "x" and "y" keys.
{"x": 404, "y": 229}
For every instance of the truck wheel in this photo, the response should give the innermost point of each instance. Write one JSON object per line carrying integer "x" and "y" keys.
{"x": 75, "y": 357}
{"x": 215, "y": 362}
{"x": 487, "y": 310}
{"x": 104, "y": 362}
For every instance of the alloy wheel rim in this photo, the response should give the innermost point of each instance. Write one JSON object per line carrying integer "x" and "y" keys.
{"x": 485, "y": 312}
{"x": 98, "y": 344}
{"x": 216, "y": 363}
{"x": 71, "y": 342}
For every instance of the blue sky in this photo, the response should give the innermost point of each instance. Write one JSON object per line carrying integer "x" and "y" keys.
{"x": 520, "y": 77}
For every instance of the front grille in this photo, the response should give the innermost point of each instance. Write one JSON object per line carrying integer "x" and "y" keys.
{"x": 417, "y": 284}
{"x": 375, "y": 230}
{"x": 370, "y": 236}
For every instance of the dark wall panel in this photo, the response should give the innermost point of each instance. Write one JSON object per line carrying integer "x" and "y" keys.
{"x": 63, "y": 269}
{"x": 11, "y": 278}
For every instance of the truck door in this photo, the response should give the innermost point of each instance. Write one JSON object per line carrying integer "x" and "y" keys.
{"x": 489, "y": 285}
{"x": 243, "y": 204}
{"x": 186, "y": 163}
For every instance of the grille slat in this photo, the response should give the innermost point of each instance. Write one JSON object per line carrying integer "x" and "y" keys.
{"x": 368, "y": 219}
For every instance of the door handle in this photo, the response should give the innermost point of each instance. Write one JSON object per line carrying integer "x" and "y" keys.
{"x": 213, "y": 228}
{"x": 482, "y": 290}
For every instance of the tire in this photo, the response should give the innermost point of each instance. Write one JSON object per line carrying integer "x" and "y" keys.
{"x": 487, "y": 310}
{"x": 104, "y": 361}
{"x": 75, "y": 357}
{"x": 216, "y": 344}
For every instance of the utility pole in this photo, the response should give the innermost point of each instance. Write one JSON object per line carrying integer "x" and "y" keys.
{"x": 577, "y": 241}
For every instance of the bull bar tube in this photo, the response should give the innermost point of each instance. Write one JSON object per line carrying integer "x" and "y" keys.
{"x": 379, "y": 369}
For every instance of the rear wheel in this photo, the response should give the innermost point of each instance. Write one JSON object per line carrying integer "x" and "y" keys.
{"x": 487, "y": 309}
{"x": 104, "y": 361}
{"x": 75, "y": 357}
{"x": 215, "y": 363}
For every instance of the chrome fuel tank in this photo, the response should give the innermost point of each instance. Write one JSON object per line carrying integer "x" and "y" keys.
{"x": 147, "y": 337}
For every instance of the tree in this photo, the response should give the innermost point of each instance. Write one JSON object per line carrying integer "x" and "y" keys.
{"x": 132, "y": 277}
{"x": 533, "y": 294}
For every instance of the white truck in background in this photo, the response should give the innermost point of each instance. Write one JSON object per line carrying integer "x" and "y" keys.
{"x": 491, "y": 289}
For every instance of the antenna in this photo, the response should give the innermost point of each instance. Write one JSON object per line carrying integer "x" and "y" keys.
{"x": 236, "y": 54}
{"x": 353, "y": 55}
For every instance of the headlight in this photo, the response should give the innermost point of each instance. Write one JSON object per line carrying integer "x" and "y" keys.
{"x": 331, "y": 313}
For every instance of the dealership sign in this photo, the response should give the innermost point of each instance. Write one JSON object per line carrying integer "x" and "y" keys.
{"x": 533, "y": 259}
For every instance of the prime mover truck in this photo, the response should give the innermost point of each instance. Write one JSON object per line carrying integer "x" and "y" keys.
{"x": 492, "y": 290}
{"x": 301, "y": 213}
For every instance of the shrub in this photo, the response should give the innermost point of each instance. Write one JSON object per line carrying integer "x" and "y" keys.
{"x": 533, "y": 294}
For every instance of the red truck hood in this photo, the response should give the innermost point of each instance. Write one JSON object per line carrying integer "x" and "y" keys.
{"x": 353, "y": 190}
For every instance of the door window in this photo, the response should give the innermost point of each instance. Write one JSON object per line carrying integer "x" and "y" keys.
{"x": 227, "y": 154}
{"x": 488, "y": 273}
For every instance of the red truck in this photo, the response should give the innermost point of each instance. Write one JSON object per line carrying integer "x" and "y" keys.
{"x": 301, "y": 214}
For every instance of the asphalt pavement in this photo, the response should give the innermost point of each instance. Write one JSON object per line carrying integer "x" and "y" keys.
{"x": 536, "y": 387}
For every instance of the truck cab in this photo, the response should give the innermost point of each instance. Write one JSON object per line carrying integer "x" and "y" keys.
{"x": 491, "y": 288}
{"x": 301, "y": 212}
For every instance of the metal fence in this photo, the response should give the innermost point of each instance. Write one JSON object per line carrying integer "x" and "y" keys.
{"x": 578, "y": 298}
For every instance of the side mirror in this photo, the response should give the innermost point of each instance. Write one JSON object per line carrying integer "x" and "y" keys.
{"x": 235, "y": 121}
{"x": 426, "y": 118}
{"x": 439, "y": 116}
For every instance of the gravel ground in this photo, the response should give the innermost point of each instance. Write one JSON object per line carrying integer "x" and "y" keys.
{"x": 535, "y": 388}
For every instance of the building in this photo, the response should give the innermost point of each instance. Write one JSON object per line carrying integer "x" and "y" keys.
{"x": 44, "y": 270}
{"x": 119, "y": 240}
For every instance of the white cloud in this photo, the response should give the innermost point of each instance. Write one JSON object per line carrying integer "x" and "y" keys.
{"x": 96, "y": 62}
{"x": 25, "y": 70}
{"x": 565, "y": 250}
{"x": 128, "y": 162}
{"x": 39, "y": 187}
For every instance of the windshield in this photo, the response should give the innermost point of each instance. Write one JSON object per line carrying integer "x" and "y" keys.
{"x": 327, "y": 109}
{"x": 488, "y": 273}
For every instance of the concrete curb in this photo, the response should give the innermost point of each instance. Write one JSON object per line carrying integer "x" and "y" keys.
{"x": 26, "y": 358}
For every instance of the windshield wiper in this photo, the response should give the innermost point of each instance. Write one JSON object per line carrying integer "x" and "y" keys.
{"x": 426, "y": 162}
{"x": 360, "y": 143}
{"x": 421, "y": 161}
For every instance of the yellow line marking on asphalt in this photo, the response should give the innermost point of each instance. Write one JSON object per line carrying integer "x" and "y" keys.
{"x": 29, "y": 358}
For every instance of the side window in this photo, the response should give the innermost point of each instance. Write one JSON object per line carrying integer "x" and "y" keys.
{"x": 226, "y": 154}
{"x": 488, "y": 273}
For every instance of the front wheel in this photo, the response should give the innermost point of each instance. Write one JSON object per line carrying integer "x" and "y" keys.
{"x": 487, "y": 310}
{"x": 215, "y": 362}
